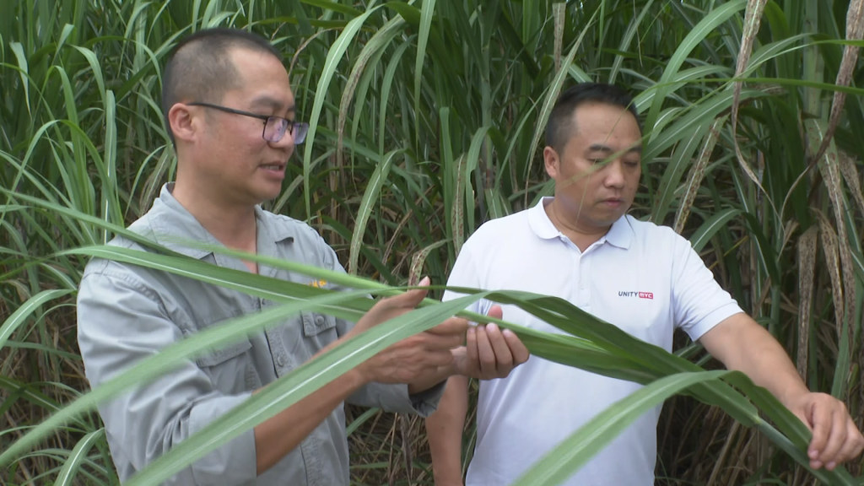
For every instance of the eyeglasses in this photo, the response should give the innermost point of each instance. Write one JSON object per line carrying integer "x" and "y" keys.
{"x": 274, "y": 126}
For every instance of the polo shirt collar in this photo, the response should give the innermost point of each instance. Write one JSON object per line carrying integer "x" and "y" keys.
{"x": 540, "y": 222}
{"x": 619, "y": 235}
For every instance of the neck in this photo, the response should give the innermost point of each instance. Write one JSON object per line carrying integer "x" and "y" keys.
{"x": 580, "y": 236}
{"x": 232, "y": 224}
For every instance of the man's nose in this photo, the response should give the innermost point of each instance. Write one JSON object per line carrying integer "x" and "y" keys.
{"x": 286, "y": 143}
{"x": 613, "y": 174}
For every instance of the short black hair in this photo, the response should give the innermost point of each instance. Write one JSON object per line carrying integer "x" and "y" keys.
{"x": 200, "y": 68}
{"x": 560, "y": 127}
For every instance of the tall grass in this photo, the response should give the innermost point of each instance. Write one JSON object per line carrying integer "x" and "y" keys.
{"x": 427, "y": 121}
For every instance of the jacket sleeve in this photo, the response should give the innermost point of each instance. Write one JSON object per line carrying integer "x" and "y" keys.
{"x": 122, "y": 321}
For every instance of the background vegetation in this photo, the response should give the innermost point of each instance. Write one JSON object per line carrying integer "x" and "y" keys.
{"x": 427, "y": 121}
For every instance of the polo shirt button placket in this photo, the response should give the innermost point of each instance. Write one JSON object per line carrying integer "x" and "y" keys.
{"x": 584, "y": 292}
{"x": 577, "y": 276}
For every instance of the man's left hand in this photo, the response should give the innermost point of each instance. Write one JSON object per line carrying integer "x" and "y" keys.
{"x": 836, "y": 439}
{"x": 489, "y": 351}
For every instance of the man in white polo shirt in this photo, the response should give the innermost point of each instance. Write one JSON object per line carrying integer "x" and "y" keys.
{"x": 645, "y": 279}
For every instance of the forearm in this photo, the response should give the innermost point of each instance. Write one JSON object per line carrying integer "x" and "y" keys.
{"x": 280, "y": 434}
{"x": 444, "y": 431}
{"x": 768, "y": 365}
{"x": 744, "y": 345}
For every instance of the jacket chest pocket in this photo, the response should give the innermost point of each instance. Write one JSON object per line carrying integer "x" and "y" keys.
{"x": 315, "y": 324}
{"x": 305, "y": 334}
{"x": 319, "y": 330}
{"x": 230, "y": 368}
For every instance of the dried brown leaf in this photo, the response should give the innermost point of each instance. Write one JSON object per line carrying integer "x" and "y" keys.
{"x": 850, "y": 175}
{"x": 832, "y": 262}
{"x": 697, "y": 173}
{"x": 458, "y": 209}
{"x": 559, "y": 13}
{"x": 854, "y": 32}
{"x": 752, "y": 21}
{"x": 417, "y": 261}
{"x": 830, "y": 169}
{"x": 806, "y": 282}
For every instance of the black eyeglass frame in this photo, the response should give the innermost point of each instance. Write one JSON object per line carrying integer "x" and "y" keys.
{"x": 298, "y": 130}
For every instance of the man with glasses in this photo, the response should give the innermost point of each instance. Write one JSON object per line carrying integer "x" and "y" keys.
{"x": 230, "y": 112}
{"x": 275, "y": 127}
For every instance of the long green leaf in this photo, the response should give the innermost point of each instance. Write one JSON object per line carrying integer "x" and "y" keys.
{"x": 370, "y": 198}
{"x": 333, "y": 56}
{"x": 710, "y": 227}
{"x": 77, "y": 457}
{"x": 582, "y": 445}
{"x": 166, "y": 360}
{"x": 21, "y": 315}
{"x": 696, "y": 35}
{"x": 295, "y": 386}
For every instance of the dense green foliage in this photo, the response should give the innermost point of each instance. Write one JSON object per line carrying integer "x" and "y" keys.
{"x": 427, "y": 120}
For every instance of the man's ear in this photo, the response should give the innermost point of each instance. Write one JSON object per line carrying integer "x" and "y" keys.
{"x": 182, "y": 122}
{"x": 551, "y": 161}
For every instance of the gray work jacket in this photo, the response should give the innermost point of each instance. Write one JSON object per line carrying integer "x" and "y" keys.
{"x": 128, "y": 313}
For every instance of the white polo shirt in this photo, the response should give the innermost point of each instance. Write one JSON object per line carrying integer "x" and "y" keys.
{"x": 644, "y": 278}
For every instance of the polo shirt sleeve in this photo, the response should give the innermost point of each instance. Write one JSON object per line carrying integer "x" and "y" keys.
{"x": 122, "y": 321}
{"x": 698, "y": 301}
{"x": 468, "y": 272}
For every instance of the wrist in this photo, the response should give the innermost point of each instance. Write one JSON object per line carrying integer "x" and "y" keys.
{"x": 448, "y": 478}
{"x": 789, "y": 398}
{"x": 358, "y": 376}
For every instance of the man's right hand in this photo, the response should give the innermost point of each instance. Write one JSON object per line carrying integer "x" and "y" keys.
{"x": 418, "y": 359}
{"x": 428, "y": 358}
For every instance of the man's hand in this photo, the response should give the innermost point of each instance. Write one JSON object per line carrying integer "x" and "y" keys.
{"x": 489, "y": 352}
{"x": 417, "y": 359}
{"x": 429, "y": 357}
{"x": 742, "y": 344}
{"x": 836, "y": 439}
